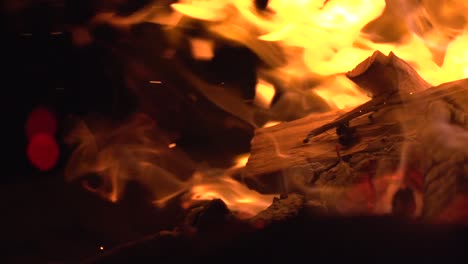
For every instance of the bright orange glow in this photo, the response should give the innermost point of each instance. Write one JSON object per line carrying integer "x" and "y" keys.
{"x": 340, "y": 93}
{"x": 271, "y": 123}
{"x": 314, "y": 39}
{"x": 237, "y": 196}
{"x": 264, "y": 93}
{"x": 202, "y": 49}
{"x": 330, "y": 38}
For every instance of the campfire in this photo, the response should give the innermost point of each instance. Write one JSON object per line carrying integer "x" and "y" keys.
{"x": 255, "y": 117}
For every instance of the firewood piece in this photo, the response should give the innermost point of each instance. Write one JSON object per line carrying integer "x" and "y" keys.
{"x": 214, "y": 214}
{"x": 281, "y": 210}
{"x": 444, "y": 139}
{"x": 385, "y": 78}
{"x": 430, "y": 128}
{"x": 209, "y": 216}
{"x": 383, "y": 75}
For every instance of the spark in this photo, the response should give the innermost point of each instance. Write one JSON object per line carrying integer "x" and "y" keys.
{"x": 155, "y": 82}
{"x": 172, "y": 145}
{"x": 101, "y": 248}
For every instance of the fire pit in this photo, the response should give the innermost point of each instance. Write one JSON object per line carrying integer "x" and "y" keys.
{"x": 218, "y": 130}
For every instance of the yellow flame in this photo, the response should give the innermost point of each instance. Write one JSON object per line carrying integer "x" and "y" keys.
{"x": 237, "y": 196}
{"x": 271, "y": 123}
{"x": 330, "y": 36}
{"x": 307, "y": 39}
{"x": 264, "y": 93}
{"x": 341, "y": 93}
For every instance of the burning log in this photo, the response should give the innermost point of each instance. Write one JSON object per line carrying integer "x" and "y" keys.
{"x": 406, "y": 136}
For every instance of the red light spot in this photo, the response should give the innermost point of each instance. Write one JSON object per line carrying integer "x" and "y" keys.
{"x": 43, "y": 151}
{"x": 40, "y": 121}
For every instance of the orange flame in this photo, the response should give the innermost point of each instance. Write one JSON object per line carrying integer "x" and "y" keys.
{"x": 237, "y": 196}
{"x": 331, "y": 37}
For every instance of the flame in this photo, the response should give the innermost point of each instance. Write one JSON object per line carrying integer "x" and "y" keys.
{"x": 304, "y": 42}
{"x": 237, "y": 196}
{"x": 202, "y": 49}
{"x": 264, "y": 93}
{"x": 332, "y": 40}
{"x": 131, "y": 152}
{"x": 305, "y": 46}
{"x": 341, "y": 93}
{"x": 118, "y": 153}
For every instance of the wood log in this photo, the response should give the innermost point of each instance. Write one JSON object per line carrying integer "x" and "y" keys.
{"x": 406, "y": 135}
